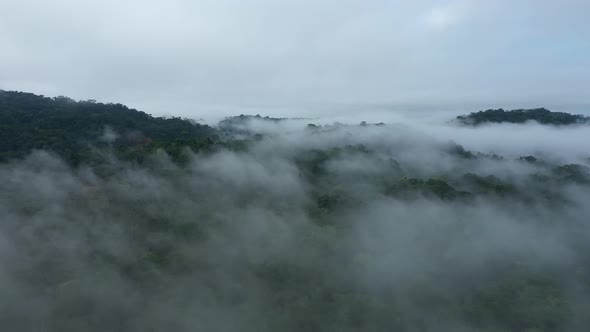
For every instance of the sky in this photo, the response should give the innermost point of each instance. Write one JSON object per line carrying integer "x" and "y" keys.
{"x": 198, "y": 57}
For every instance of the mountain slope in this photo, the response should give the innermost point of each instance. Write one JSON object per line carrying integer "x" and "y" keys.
{"x": 69, "y": 128}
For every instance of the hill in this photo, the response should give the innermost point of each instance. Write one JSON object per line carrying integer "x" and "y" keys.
{"x": 69, "y": 128}
{"x": 541, "y": 115}
{"x": 368, "y": 227}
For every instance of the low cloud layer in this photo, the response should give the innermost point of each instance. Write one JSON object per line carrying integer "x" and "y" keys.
{"x": 270, "y": 238}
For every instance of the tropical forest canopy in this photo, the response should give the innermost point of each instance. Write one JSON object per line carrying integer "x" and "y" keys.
{"x": 540, "y": 115}
{"x": 115, "y": 220}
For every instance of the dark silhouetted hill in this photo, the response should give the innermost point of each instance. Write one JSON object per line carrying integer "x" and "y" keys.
{"x": 541, "y": 115}
{"x": 69, "y": 128}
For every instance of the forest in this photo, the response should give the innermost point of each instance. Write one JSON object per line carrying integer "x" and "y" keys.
{"x": 540, "y": 115}
{"x": 70, "y": 128}
{"x": 115, "y": 220}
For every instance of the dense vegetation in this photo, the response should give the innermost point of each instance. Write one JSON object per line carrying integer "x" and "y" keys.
{"x": 541, "y": 115}
{"x": 325, "y": 228}
{"x": 241, "y": 120}
{"x": 72, "y": 128}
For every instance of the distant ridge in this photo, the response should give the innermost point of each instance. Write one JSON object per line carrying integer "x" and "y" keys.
{"x": 541, "y": 115}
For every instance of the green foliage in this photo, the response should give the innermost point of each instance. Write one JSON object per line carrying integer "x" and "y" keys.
{"x": 541, "y": 115}
{"x": 572, "y": 173}
{"x": 521, "y": 302}
{"x": 312, "y": 162}
{"x": 69, "y": 128}
{"x": 459, "y": 151}
{"x": 529, "y": 159}
{"x": 488, "y": 184}
{"x": 238, "y": 125}
{"x": 176, "y": 230}
{"x": 436, "y": 188}
{"x": 330, "y": 201}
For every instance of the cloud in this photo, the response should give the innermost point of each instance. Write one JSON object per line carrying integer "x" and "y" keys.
{"x": 236, "y": 240}
{"x": 441, "y": 18}
{"x": 178, "y": 57}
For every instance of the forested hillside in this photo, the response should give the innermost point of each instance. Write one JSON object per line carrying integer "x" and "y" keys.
{"x": 540, "y": 115}
{"x": 71, "y": 128}
{"x": 120, "y": 221}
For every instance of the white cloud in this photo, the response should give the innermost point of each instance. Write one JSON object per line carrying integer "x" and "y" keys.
{"x": 440, "y": 18}
{"x": 187, "y": 54}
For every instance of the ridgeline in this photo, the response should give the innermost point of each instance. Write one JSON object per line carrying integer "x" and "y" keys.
{"x": 72, "y": 128}
{"x": 541, "y": 115}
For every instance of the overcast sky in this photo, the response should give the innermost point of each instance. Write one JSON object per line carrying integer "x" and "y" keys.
{"x": 186, "y": 56}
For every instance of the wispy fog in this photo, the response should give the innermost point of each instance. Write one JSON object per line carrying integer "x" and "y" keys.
{"x": 249, "y": 240}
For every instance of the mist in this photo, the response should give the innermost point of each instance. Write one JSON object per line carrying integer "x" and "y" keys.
{"x": 303, "y": 229}
{"x": 315, "y": 166}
